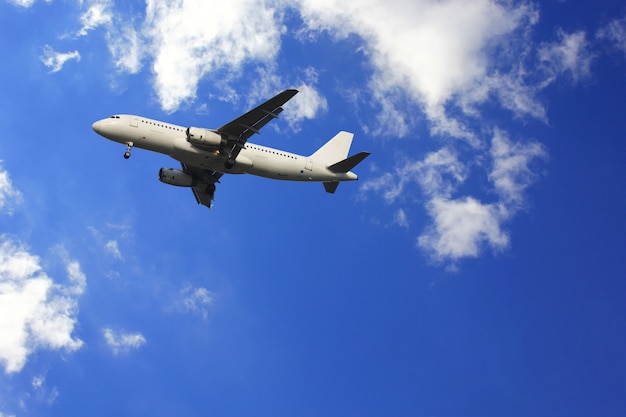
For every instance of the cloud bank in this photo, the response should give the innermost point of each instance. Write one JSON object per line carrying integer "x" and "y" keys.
{"x": 35, "y": 311}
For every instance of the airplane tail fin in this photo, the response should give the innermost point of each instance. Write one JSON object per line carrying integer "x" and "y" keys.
{"x": 334, "y": 150}
{"x": 334, "y": 154}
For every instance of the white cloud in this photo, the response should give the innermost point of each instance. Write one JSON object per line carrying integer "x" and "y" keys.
{"x": 438, "y": 174}
{"x": 35, "y": 312}
{"x": 112, "y": 248}
{"x": 401, "y": 219}
{"x": 126, "y": 47}
{"x": 434, "y": 51}
{"x": 515, "y": 95}
{"x": 43, "y": 393}
{"x": 570, "y": 54}
{"x": 111, "y": 244}
{"x": 189, "y": 40}
{"x": 22, "y": 3}
{"x": 385, "y": 184}
{"x": 461, "y": 228}
{"x": 121, "y": 342}
{"x": 195, "y": 300}
{"x": 9, "y": 196}
{"x": 440, "y": 55}
{"x": 307, "y": 104}
{"x": 98, "y": 14}
{"x": 55, "y": 60}
{"x": 511, "y": 173}
{"x": 615, "y": 32}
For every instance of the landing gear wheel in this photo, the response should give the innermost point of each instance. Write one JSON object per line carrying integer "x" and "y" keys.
{"x": 129, "y": 146}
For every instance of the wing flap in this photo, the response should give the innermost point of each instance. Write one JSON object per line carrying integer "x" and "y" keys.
{"x": 204, "y": 189}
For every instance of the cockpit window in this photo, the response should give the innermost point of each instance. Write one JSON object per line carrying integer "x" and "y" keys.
{"x": 114, "y": 117}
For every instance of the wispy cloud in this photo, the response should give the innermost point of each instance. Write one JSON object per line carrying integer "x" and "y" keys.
{"x": 23, "y": 3}
{"x": 615, "y": 32}
{"x": 194, "y": 300}
{"x": 98, "y": 13}
{"x": 570, "y": 54}
{"x": 401, "y": 219}
{"x": 463, "y": 225}
{"x": 122, "y": 341}
{"x": 35, "y": 311}
{"x": 42, "y": 391}
{"x": 512, "y": 169}
{"x": 112, "y": 248}
{"x": 55, "y": 60}
{"x": 9, "y": 196}
{"x": 126, "y": 47}
{"x": 109, "y": 237}
{"x": 438, "y": 174}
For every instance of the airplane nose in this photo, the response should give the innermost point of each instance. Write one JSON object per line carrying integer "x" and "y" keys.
{"x": 97, "y": 126}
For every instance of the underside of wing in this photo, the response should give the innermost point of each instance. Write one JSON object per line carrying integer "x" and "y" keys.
{"x": 238, "y": 131}
{"x": 204, "y": 184}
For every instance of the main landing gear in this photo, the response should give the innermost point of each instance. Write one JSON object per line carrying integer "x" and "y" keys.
{"x": 129, "y": 146}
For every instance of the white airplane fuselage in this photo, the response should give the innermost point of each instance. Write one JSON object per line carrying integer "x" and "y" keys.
{"x": 172, "y": 140}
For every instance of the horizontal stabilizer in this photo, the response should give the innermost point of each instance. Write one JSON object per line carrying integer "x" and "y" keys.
{"x": 331, "y": 186}
{"x": 349, "y": 163}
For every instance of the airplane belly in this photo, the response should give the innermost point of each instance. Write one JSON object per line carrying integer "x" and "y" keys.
{"x": 184, "y": 152}
{"x": 213, "y": 160}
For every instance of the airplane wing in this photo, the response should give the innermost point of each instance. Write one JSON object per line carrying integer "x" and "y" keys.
{"x": 238, "y": 131}
{"x": 204, "y": 189}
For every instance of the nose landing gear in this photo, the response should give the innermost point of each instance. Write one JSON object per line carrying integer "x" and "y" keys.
{"x": 129, "y": 146}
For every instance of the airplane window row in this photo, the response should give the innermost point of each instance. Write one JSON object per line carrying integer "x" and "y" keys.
{"x": 165, "y": 126}
{"x": 273, "y": 152}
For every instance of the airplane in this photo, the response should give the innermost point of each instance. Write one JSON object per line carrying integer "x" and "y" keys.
{"x": 207, "y": 154}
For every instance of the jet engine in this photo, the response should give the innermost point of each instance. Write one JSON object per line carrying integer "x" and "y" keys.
{"x": 204, "y": 137}
{"x": 176, "y": 177}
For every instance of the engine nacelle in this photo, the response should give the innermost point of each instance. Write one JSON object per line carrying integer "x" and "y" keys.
{"x": 176, "y": 177}
{"x": 204, "y": 137}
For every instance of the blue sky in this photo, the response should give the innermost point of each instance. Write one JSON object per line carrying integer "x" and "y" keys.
{"x": 476, "y": 268}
